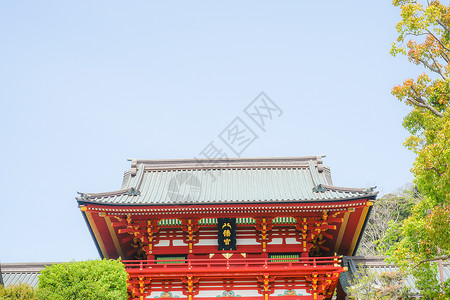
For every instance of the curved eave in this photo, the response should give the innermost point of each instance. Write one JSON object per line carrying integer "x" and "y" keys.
{"x": 345, "y": 241}
{"x": 370, "y": 196}
{"x": 362, "y": 231}
{"x": 92, "y": 235}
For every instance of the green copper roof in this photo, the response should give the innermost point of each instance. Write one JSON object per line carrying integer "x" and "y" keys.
{"x": 17, "y": 278}
{"x": 16, "y": 273}
{"x": 255, "y": 180}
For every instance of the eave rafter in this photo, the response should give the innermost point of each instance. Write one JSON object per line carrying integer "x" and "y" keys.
{"x": 141, "y": 233}
{"x": 137, "y": 227}
{"x": 221, "y": 211}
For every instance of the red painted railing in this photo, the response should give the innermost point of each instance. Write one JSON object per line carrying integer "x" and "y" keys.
{"x": 305, "y": 263}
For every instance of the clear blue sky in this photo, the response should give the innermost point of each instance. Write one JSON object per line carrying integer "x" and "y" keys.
{"x": 87, "y": 84}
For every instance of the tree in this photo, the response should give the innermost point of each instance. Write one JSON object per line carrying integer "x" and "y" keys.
{"x": 19, "y": 291}
{"x": 94, "y": 280}
{"x": 387, "y": 214}
{"x": 424, "y": 235}
{"x": 428, "y": 95}
{"x": 368, "y": 285}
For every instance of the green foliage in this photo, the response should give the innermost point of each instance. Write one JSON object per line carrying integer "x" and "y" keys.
{"x": 428, "y": 25}
{"x": 391, "y": 237}
{"x": 368, "y": 285}
{"x": 363, "y": 285}
{"x": 94, "y": 280}
{"x": 427, "y": 281}
{"x": 20, "y": 291}
{"x": 387, "y": 214}
{"x": 431, "y": 168}
{"x": 424, "y": 236}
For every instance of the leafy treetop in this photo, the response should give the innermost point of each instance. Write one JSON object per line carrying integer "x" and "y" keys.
{"x": 94, "y": 279}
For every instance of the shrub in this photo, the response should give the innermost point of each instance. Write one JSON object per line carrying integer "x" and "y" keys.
{"x": 93, "y": 280}
{"x": 19, "y": 291}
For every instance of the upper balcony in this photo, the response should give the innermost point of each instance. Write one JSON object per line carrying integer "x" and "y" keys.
{"x": 317, "y": 276}
{"x": 237, "y": 267}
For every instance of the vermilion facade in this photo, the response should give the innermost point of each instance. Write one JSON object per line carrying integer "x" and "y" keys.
{"x": 261, "y": 228}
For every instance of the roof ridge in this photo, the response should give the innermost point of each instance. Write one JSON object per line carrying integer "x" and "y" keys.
{"x": 320, "y": 188}
{"x": 228, "y": 163}
{"x": 132, "y": 191}
{"x": 242, "y": 159}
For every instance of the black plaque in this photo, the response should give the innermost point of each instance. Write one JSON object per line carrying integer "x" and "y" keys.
{"x": 226, "y": 229}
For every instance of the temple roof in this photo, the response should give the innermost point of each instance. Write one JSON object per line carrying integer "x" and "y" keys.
{"x": 234, "y": 180}
{"x": 16, "y": 273}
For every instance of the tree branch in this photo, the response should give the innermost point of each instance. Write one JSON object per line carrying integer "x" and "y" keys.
{"x": 420, "y": 102}
{"x": 414, "y": 34}
{"x": 440, "y": 72}
{"x": 446, "y": 28}
{"x": 445, "y": 257}
{"x": 445, "y": 57}
{"x": 427, "y": 106}
{"x": 426, "y": 64}
{"x": 434, "y": 168}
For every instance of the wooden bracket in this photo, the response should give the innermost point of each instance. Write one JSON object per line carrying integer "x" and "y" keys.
{"x": 264, "y": 226}
{"x": 139, "y": 286}
{"x": 190, "y": 227}
{"x": 266, "y": 285}
{"x": 190, "y": 281}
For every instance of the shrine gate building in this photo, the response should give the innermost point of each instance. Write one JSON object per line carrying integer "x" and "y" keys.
{"x": 255, "y": 228}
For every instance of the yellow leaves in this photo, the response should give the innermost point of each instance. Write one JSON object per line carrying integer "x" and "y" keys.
{"x": 413, "y": 142}
{"x": 437, "y": 226}
{"x": 445, "y": 14}
{"x": 397, "y": 50}
{"x": 413, "y": 18}
{"x": 433, "y": 12}
{"x": 418, "y": 20}
{"x": 397, "y": 2}
{"x": 423, "y": 79}
{"x": 408, "y": 83}
{"x": 413, "y": 90}
{"x": 427, "y": 24}
{"x": 432, "y": 165}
